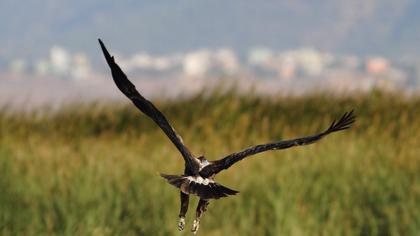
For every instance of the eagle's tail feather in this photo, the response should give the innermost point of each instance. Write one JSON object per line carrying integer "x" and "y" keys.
{"x": 210, "y": 190}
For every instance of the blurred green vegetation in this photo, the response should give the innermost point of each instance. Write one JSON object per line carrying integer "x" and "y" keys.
{"x": 93, "y": 169}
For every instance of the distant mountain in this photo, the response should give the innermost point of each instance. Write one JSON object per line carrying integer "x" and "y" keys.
{"x": 385, "y": 27}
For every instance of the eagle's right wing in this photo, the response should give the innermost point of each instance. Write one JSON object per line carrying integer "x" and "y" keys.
{"x": 129, "y": 90}
{"x": 215, "y": 167}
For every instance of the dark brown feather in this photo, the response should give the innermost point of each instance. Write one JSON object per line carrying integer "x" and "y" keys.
{"x": 215, "y": 167}
{"x": 144, "y": 105}
{"x": 210, "y": 191}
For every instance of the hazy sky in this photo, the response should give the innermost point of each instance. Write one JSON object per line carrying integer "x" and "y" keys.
{"x": 28, "y": 29}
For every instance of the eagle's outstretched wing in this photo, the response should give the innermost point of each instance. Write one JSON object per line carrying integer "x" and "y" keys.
{"x": 149, "y": 109}
{"x": 215, "y": 167}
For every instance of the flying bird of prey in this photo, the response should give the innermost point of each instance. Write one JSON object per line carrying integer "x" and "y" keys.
{"x": 199, "y": 173}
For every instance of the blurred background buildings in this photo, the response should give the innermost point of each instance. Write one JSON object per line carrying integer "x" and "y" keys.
{"x": 49, "y": 52}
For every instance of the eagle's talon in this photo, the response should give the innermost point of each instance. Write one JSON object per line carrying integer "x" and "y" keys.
{"x": 196, "y": 225}
{"x": 181, "y": 223}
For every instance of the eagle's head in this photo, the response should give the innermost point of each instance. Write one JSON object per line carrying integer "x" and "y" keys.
{"x": 203, "y": 161}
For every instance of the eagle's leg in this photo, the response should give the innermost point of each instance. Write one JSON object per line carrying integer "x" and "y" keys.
{"x": 201, "y": 208}
{"x": 184, "y": 208}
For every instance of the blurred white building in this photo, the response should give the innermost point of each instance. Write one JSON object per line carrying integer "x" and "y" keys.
{"x": 226, "y": 60}
{"x": 305, "y": 62}
{"x": 65, "y": 65}
{"x": 60, "y": 61}
{"x": 259, "y": 56}
{"x": 80, "y": 67}
{"x": 144, "y": 61}
{"x": 310, "y": 61}
{"x": 197, "y": 64}
{"x": 377, "y": 65}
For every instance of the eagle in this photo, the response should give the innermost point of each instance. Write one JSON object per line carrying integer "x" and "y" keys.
{"x": 199, "y": 173}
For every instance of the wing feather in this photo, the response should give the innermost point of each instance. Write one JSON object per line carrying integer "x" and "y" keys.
{"x": 144, "y": 105}
{"x": 215, "y": 167}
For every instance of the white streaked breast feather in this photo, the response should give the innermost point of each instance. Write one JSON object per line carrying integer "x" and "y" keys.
{"x": 199, "y": 180}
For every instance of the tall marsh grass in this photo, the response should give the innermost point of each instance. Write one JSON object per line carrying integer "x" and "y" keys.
{"x": 93, "y": 169}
